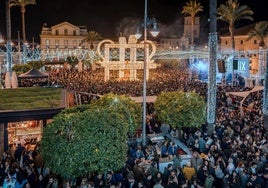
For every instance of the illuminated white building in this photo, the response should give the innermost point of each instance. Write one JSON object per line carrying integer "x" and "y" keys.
{"x": 62, "y": 36}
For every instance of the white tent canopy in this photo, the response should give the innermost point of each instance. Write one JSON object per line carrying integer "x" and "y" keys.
{"x": 244, "y": 95}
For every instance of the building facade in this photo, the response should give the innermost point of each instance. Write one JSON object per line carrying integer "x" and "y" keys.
{"x": 244, "y": 48}
{"x": 62, "y": 36}
{"x": 188, "y": 27}
{"x": 173, "y": 43}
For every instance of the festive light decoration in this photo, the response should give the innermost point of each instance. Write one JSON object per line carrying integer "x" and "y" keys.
{"x": 211, "y": 96}
{"x": 51, "y": 55}
{"x": 211, "y": 102}
{"x": 265, "y": 91}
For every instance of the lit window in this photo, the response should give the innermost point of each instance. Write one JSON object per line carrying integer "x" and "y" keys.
{"x": 74, "y": 43}
{"x": 57, "y": 43}
{"x": 47, "y": 42}
{"x": 66, "y": 43}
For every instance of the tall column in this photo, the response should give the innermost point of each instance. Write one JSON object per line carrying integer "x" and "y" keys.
{"x": 212, "y": 87}
{"x": 265, "y": 95}
{"x": 8, "y": 45}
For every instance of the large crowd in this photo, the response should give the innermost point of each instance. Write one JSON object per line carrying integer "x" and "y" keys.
{"x": 232, "y": 155}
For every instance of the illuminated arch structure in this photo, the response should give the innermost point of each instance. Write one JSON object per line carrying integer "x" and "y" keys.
{"x": 125, "y": 56}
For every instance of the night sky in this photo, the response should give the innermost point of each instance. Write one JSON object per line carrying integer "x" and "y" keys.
{"x": 108, "y": 17}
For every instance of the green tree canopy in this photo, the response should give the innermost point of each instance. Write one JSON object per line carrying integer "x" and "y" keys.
{"x": 90, "y": 138}
{"x": 72, "y": 60}
{"x": 181, "y": 109}
{"x": 36, "y": 64}
{"x": 125, "y": 106}
{"x": 21, "y": 68}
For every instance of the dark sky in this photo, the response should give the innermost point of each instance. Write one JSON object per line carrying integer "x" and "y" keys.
{"x": 109, "y": 17}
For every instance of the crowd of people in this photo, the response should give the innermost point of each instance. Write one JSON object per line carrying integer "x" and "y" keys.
{"x": 231, "y": 155}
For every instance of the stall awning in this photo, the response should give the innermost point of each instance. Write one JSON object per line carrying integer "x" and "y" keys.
{"x": 33, "y": 73}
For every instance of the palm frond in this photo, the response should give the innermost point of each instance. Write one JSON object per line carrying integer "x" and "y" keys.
{"x": 260, "y": 31}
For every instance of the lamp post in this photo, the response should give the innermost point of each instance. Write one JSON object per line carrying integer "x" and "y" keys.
{"x": 146, "y": 22}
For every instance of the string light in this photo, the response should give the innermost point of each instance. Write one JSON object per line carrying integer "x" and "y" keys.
{"x": 37, "y": 54}
{"x": 211, "y": 102}
{"x": 265, "y": 94}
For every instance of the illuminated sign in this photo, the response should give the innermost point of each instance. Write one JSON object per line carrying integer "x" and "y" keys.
{"x": 240, "y": 66}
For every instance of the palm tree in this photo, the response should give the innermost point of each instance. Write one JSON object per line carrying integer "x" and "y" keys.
{"x": 90, "y": 38}
{"x": 192, "y": 8}
{"x": 231, "y": 12}
{"x": 260, "y": 31}
{"x": 22, "y": 4}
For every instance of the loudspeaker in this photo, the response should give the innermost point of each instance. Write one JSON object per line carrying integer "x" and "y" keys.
{"x": 235, "y": 64}
{"x": 221, "y": 66}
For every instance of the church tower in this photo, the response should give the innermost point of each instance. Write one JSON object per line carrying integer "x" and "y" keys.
{"x": 188, "y": 27}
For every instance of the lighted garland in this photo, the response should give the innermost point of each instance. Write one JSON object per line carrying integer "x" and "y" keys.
{"x": 211, "y": 98}
{"x": 81, "y": 54}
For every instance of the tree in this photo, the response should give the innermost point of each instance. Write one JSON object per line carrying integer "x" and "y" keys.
{"x": 90, "y": 38}
{"x": 21, "y": 68}
{"x": 260, "y": 31}
{"x": 181, "y": 109}
{"x": 36, "y": 64}
{"x": 22, "y": 4}
{"x": 231, "y": 12}
{"x": 124, "y": 105}
{"x": 89, "y": 138}
{"x": 72, "y": 60}
{"x": 192, "y": 8}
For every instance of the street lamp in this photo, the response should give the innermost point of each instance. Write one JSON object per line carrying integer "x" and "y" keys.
{"x": 146, "y": 23}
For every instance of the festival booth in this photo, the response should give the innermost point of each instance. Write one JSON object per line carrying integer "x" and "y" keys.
{"x": 183, "y": 153}
{"x": 33, "y": 73}
{"x": 35, "y": 76}
{"x": 29, "y": 132}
